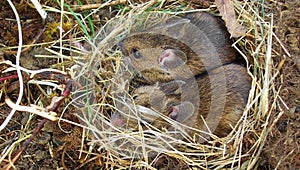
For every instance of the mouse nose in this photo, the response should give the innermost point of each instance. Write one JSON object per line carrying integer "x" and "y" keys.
{"x": 120, "y": 44}
{"x": 116, "y": 120}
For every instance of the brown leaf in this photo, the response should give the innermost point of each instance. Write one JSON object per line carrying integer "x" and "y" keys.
{"x": 226, "y": 9}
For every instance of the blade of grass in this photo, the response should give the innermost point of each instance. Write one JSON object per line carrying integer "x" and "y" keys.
{"x": 89, "y": 20}
{"x": 84, "y": 29}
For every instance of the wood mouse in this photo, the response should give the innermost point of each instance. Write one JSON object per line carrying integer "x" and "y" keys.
{"x": 199, "y": 43}
{"x": 220, "y": 100}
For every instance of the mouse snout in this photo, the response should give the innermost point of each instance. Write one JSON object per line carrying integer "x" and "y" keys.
{"x": 116, "y": 120}
{"x": 120, "y": 44}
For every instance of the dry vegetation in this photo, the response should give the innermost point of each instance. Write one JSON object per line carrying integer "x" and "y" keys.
{"x": 77, "y": 43}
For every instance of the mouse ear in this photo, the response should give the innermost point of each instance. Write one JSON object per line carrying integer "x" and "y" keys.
{"x": 172, "y": 87}
{"x": 182, "y": 112}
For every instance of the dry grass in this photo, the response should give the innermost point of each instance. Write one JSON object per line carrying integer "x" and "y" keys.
{"x": 99, "y": 67}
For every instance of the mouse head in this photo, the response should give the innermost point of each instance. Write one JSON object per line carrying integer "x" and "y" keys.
{"x": 164, "y": 98}
{"x": 158, "y": 105}
{"x": 158, "y": 57}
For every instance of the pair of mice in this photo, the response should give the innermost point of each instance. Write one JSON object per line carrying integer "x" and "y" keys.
{"x": 194, "y": 78}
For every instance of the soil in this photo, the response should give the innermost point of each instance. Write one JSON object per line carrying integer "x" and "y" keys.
{"x": 282, "y": 149}
{"x": 54, "y": 148}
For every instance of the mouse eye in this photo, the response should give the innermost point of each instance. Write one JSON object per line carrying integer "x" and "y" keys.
{"x": 136, "y": 53}
{"x": 135, "y": 97}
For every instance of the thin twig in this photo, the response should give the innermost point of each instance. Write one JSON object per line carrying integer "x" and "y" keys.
{"x": 9, "y": 77}
{"x": 39, "y": 8}
{"x": 95, "y": 6}
{"x": 3, "y": 125}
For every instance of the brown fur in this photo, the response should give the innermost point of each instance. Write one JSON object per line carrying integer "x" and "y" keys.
{"x": 219, "y": 93}
{"x": 151, "y": 45}
{"x": 234, "y": 93}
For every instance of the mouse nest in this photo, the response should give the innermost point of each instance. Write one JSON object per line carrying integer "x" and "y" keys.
{"x": 112, "y": 81}
{"x": 104, "y": 83}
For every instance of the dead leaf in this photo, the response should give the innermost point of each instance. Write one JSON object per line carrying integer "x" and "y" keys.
{"x": 227, "y": 12}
